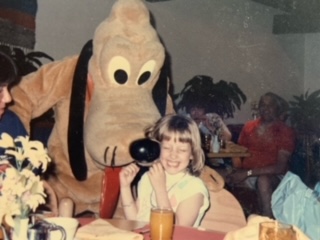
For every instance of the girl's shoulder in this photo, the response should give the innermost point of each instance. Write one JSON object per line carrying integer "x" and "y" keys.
{"x": 190, "y": 186}
{"x": 191, "y": 181}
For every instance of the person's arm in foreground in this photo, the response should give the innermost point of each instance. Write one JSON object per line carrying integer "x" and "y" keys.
{"x": 127, "y": 174}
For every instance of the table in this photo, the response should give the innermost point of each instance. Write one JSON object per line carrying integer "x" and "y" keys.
{"x": 126, "y": 224}
{"x": 180, "y": 233}
{"x": 228, "y": 155}
{"x": 236, "y": 158}
{"x": 233, "y": 151}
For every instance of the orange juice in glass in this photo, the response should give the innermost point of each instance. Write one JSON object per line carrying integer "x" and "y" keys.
{"x": 161, "y": 224}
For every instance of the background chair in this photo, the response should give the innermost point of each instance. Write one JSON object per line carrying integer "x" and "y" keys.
{"x": 225, "y": 213}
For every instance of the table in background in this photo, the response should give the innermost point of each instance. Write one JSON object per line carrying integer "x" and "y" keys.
{"x": 235, "y": 156}
{"x": 228, "y": 154}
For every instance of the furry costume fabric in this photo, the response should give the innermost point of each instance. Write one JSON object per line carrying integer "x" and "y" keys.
{"x": 123, "y": 70}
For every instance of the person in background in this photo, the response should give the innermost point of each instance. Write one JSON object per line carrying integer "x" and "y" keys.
{"x": 208, "y": 123}
{"x": 172, "y": 181}
{"x": 9, "y": 121}
{"x": 296, "y": 201}
{"x": 271, "y": 143}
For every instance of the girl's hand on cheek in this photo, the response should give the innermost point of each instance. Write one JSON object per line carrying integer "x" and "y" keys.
{"x": 127, "y": 174}
{"x": 157, "y": 175}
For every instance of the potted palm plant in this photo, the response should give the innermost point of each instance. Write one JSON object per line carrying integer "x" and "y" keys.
{"x": 222, "y": 97}
{"x": 304, "y": 116}
{"x": 305, "y": 112}
{"x": 28, "y": 62}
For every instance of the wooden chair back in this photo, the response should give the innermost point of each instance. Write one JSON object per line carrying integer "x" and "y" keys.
{"x": 225, "y": 213}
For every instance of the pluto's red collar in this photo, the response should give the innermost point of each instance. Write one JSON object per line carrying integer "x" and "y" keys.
{"x": 110, "y": 192}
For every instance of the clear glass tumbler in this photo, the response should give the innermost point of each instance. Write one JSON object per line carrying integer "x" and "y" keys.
{"x": 161, "y": 224}
{"x": 276, "y": 231}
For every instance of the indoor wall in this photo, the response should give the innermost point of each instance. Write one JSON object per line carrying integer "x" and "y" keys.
{"x": 225, "y": 39}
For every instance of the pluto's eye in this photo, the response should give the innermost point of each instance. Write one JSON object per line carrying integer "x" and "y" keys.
{"x": 144, "y": 77}
{"x": 120, "y": 76}
{"x": 146, "y": 71}
{"x": 119, "y": 69}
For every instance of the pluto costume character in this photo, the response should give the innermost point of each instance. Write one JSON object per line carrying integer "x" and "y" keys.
{"x": 111, "y": 92}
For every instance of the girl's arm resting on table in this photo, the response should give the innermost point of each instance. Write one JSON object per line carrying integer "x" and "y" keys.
{"x": 129, "y": 205}
{"x": 126, "y": 176}
{"x": 188, "y": 210}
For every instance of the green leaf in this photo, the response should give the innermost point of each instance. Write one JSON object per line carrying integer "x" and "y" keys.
{"x": 222, "y": 97}
{"x": 305, "y": 111}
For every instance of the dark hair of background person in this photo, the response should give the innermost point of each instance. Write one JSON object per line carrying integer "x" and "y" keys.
{"x": 8, "y": 70}
{"x": 198, "y": 102}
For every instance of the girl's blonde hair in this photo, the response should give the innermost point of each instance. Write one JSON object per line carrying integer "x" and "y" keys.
{"x": 187, "y": 130}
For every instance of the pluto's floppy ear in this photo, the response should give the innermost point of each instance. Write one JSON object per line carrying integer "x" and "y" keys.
{"x": 76, "y": 114}
{"x": 163, "y": 86}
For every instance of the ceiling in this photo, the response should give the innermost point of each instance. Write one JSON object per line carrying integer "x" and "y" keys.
{"x": 157, "y": 0}
{"x": 292, "y": 6}
{"x": 300, "y": 16}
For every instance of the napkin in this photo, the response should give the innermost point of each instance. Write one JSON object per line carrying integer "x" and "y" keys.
{"x": 100, "y": 229}
{"x": 251, "y": 231}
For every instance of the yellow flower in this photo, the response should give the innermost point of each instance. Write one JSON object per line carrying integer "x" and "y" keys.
{"x": 21, "y": 191}
{"x": 8, "y": 208}
{"x": 33, "y": 151}
{"x": 6, "y": 141}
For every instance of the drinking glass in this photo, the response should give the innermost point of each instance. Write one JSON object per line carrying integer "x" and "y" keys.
{"x": 161, "y": 224}
{"x": 276, "y": 231}
{"x": 206, "y": 142}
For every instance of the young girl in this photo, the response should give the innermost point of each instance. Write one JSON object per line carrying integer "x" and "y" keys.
{"x": 171, "y": 181}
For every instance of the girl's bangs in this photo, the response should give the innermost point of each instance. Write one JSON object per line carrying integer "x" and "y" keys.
{"x": 182, "y": 136}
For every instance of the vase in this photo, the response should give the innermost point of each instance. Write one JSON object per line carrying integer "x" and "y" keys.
{"x": 215, "y": 144}
{"x": 20, "y": 229}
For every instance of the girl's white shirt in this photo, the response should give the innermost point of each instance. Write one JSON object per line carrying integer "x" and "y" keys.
{"x": 180, "y": 187}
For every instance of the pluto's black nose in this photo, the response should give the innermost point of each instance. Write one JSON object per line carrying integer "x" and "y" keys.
{"x": 144, "y": 151}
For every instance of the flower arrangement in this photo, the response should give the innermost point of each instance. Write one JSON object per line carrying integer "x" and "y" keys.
{"x": 21, "y": 189}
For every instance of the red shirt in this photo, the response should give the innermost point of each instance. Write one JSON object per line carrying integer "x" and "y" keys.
{"x": 264, "y": 147}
